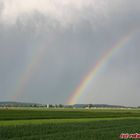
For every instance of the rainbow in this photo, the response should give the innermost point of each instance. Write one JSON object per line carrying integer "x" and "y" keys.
{"x": 88, "y": 79}
{"x": 32, "y": 64}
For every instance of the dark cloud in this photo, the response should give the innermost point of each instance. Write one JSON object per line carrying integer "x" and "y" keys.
{"x": 74, "y": 41}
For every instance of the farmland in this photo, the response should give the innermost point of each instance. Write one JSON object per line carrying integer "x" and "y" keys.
{"x": 70, "y": 124}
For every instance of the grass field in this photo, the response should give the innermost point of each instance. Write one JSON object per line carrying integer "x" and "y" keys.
{"x": 67, "y": 124}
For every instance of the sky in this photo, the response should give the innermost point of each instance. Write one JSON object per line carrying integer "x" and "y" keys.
{"x": 47, "y": 47}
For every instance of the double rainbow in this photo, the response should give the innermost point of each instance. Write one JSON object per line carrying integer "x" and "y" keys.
{"x": 87, "y": 80}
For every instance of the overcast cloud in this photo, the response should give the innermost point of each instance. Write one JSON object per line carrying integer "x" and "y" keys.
{"x": 64, "y": 40}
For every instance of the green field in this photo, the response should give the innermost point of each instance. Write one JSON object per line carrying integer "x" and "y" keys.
{"x": 67, "y": 124}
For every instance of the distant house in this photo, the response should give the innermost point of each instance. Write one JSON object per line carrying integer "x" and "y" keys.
{"x": 48, "y": 105}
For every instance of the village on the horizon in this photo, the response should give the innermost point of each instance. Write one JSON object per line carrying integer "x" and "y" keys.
{"x": 74, "y": 106}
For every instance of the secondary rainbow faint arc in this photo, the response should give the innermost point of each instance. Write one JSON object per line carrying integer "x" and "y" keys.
{"x": 98, "y": 66}
{"x": 30, "y": 68}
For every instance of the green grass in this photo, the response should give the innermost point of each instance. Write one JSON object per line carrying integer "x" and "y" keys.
{"x": 67, "y": 124}
{"x": 59, "y": 121}
{"x": 26, "y": 114}
{"x": 98, "y": 130}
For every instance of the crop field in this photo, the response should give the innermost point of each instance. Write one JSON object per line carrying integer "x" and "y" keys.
{"x": 67, "y": 124}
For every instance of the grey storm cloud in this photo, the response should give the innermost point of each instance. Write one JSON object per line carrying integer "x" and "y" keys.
{"x": 75, "y": 34}
{"x": 64, "y": 13}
